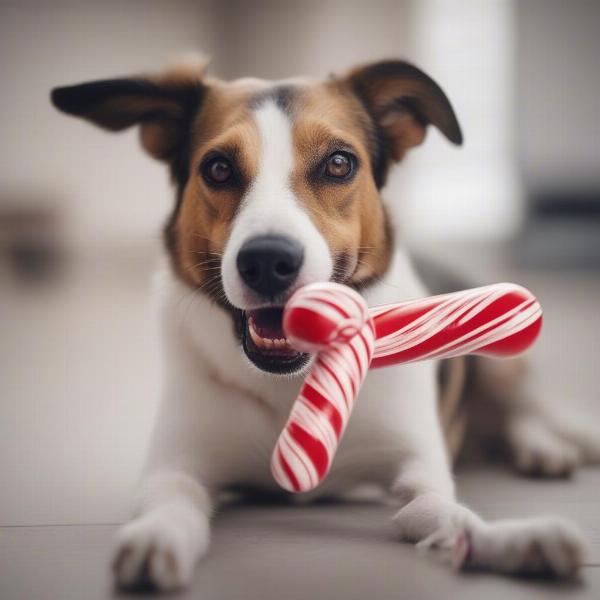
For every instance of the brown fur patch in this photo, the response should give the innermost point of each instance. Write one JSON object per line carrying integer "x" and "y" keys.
{"x": 350, "y": 215}
{"x": 203, "y": 221}
{"x": 401, "y": 101}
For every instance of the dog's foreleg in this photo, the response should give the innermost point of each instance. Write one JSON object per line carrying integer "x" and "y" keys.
{"x": 431, "y": 517}
{"x": 437, "y": 523}
{"x": 534, "y": 546}
{"x": 161, "y": 545}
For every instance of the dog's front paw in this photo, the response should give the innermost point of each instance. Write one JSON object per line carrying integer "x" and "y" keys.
{"x": 540, "y": 546}
{"x": 160, "y": 549}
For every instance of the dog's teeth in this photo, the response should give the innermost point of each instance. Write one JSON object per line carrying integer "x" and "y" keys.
{"x": 259, "y": 342}
{"x": 266, "y": 343}
{"x": 255, "y": 337}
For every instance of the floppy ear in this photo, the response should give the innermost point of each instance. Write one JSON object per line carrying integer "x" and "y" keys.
{"x": 163, "y": 106}
{"x": 402, "y": 101}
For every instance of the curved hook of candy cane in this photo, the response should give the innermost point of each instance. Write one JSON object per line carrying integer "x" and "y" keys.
{"x": 332, "y": 320}
{"x": 320, "y": 315}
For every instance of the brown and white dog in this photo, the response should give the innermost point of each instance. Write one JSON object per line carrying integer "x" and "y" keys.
{"x": 278, "y": 185}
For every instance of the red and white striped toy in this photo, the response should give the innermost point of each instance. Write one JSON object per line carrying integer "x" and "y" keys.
{"x": 334, "y": 322}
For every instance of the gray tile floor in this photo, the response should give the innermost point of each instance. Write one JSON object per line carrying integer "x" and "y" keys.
{"x": 78, "y": 383}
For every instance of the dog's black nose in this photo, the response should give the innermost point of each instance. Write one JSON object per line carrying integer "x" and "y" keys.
{"x": 269, "y": 264}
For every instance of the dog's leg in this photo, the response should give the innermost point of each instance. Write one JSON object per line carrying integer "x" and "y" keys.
{"x": 535, "y": 546}
{"x": 160, "y": 547}
{"x": 537, "y": 450}
{"x": 546, "y": 443}
{"x": 436, "y": 522}
{"x": 170, "y": 532}
{"x": 543, "y": 440}
{"x": 580, "y": 430}
{"x": 431, "y": 517}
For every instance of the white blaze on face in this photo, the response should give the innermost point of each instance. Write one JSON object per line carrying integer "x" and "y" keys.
{"x": 270, "y": 207}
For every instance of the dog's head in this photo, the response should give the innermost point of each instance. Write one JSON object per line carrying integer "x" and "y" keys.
{"x": 277, "y": 183}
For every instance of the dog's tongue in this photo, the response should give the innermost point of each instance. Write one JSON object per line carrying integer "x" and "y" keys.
{"x": 267, "y": 322}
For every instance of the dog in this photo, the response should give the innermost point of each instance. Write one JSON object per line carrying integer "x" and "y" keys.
{"x": 279, "y": 184}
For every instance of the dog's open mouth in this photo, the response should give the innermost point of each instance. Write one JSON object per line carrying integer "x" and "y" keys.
{"x": 265, "y": 344}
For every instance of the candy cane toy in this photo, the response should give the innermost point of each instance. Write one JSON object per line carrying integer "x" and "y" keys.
{"x": 334, "y": 322}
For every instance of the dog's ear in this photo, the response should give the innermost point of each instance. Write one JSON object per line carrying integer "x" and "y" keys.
{"x": 162, "y": 105}
{"x": 402, "y": 101}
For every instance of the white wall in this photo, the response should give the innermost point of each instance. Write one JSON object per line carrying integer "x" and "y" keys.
{"x": 473, "y": 192}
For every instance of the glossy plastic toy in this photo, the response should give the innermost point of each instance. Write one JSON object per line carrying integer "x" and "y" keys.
{"x": 334, "y": 322}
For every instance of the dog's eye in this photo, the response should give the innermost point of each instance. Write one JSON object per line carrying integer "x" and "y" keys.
{"x": 339, "y": 165}
{"x": 217, "y": 170}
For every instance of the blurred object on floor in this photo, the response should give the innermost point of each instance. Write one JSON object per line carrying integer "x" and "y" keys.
{"x": 31, "y": 238}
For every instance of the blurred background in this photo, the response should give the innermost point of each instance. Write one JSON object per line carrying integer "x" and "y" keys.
{"x": 81, "y": 210}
